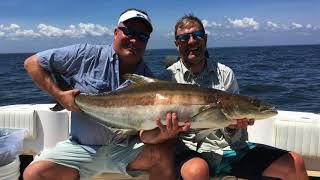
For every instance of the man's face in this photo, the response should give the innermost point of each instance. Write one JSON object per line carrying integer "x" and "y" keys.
{"x": 192, "y": 47}
{"x": 128, "y": 41}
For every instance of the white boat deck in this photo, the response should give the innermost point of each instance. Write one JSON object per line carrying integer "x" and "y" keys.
{"x": 293, "y": 131}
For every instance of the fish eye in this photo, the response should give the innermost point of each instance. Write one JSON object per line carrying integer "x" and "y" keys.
{"x": 255, "y": 102}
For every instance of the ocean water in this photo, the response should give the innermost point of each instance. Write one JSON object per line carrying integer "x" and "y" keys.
{"x": 286, "y": 76}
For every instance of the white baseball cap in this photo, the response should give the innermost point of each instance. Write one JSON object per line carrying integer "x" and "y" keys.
{"x": 132, "y": 13}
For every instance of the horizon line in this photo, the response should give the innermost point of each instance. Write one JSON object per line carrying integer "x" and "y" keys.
{"x": 215, "y": 47}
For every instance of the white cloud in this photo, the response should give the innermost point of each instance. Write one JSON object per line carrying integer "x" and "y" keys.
{"x": 23, "y": 33}
{"x": 229, "y": 27}
{"x": 296, "y": 25}
{"x": 50, "y": 31}
{"x": 72, "y": 31}
{"x": 272, "y": 25}
{"x": 289, "y": 27}
{"x": 14, "y": 31}
{"x": 205, "y": 23}
{"x": 309, "y": 26}
{"x": 213, "y": 24}
{"x": 11, "y": 27}
{"x": 285, "y": 27}
{"x": 81, "y": 30}
{"x": 244, "y": 23}
{"x": 94, "y": 29}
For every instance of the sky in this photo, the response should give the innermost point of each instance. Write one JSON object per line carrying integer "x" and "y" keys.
{"x": 36, "y": 25}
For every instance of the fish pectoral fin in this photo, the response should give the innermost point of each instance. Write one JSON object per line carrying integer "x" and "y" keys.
{"x": 209, "y": 106}
{"x": 138, "y": 79}
{"x": 209, "y": 112}
{"x": 210, "y": 116}
{"x": 57, "y": 107}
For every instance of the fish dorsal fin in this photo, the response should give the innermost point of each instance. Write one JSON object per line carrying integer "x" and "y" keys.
{"x": 139, "y": 79}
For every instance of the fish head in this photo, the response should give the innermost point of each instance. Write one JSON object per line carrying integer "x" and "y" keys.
{"x": 248, "y": 107}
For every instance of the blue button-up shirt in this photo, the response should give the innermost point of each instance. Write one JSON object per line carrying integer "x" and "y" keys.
{"x": 92, "y": 69}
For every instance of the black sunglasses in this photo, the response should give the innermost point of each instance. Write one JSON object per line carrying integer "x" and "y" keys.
{"x": 144, "y": 37}
{"x": 197, "y": 35}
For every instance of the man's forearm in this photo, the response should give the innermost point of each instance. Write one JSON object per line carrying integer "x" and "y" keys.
{"x": 151, "y": 136}
{"x": 41, "y": 77}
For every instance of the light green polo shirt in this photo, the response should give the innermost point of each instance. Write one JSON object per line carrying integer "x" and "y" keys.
{"x": 218, "y": 76}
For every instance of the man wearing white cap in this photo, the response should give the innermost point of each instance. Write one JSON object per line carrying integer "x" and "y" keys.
{"x": 94, "y": 147}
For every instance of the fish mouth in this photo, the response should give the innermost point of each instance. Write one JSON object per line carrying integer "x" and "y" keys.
{"x": 269, "y": 110}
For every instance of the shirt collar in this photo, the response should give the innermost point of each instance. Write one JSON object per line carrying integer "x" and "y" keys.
{"x": 210, "y": 66}
{"x": 113, "y": 54}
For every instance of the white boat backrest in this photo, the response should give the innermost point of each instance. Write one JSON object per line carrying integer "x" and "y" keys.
{"x": 44, "y": 127}
{"x": 21, "y": 119}
{"x": 293, "y": 131}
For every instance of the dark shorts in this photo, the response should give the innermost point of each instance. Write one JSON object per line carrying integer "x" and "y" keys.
{"x": 248, "y": 162}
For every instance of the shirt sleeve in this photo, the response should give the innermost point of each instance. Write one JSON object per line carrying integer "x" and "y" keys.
{"x": 231, "y": 84}
{"x": 66, "y": 60}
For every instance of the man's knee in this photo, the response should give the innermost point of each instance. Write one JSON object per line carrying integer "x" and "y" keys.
{"x": 286, "y": 167}
{"x": 195, "y": 168}
{"x": 154, "y": 156}
{"x": 163, "y": 153}
{"x": 48, "y": 170}
{"x": 163, "y": 158}
{"x": 297, "y": 160}
{"x": 30, "y": 173}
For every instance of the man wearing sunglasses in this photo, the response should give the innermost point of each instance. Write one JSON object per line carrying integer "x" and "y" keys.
{"x": 94, "y": 147}
{"x": 205, "y": 153}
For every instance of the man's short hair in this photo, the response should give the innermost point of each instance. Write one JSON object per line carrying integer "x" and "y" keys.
{"x": 187, "y": 21}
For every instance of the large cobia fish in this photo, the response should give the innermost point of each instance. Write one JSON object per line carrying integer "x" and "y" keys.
{"x": 140, "y": 104}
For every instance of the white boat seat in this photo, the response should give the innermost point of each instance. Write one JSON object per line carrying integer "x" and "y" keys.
{"x": 44, "y": 127}
{"x": 293, "y": 131}
{"x": 300, "y": 133}
{"x": 20, "y": 119}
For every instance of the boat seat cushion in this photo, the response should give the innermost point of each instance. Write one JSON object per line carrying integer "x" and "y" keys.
{"x": 299, "y": 134}
{"x": 20, "y": 119}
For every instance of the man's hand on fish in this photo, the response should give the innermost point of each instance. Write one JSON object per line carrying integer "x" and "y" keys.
{"x": 242, "y": 123}
{"x": 67, "y": 99}
{"x": 164, "y": 132}
{"x": 172, "y": 129}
